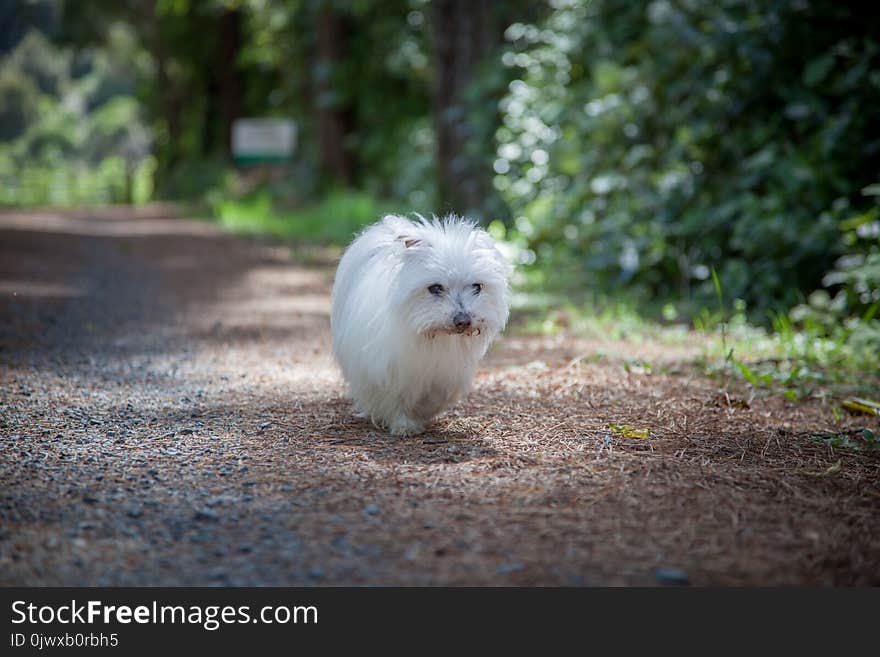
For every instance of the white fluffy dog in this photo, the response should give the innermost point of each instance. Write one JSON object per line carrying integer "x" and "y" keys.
{"x": 416, "y": 304}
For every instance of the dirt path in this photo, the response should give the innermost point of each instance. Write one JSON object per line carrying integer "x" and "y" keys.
{"x": 171, "y": 415}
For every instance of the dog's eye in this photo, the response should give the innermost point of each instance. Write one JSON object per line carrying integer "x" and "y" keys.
{"x": 477, "y": 287}
{"x": 436, "y": 289}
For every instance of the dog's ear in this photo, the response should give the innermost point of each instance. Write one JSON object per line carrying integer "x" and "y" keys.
{"x": 409, "y": 241}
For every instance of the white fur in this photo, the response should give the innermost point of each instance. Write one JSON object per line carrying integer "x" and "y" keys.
{"x": 400, "y": 352}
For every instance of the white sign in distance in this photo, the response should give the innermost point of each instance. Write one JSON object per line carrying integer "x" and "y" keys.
{"x": 259, "y": 141}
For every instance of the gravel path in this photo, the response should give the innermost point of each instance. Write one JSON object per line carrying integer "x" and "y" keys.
{"x": 171, "y": 416}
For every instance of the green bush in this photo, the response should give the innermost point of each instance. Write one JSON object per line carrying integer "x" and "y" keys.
{"x": 645, "y": 145}
{"x": 65, "y": 139}
{"x": 846, "y": 308}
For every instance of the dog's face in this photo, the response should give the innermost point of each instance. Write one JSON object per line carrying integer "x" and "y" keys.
{"x": 452, "y": 281}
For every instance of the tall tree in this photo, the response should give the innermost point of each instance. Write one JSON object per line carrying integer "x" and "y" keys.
{"x": 334, "y": 115}
{"x": 231, "y": 87}
{"x": 464, "y": 33}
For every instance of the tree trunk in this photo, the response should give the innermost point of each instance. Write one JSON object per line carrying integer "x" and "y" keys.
{"x": 230, "y": 78}
{"x": 463, "y": 34}
{"x": 210, "y": 121}
{"x": 334, "y": 117}
{"x": 170, "y": 103}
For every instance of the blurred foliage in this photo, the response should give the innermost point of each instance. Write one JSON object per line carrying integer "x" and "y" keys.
{"x": 847, "y": 305}
{"x": 381, "y": 83}
{"x": 644, "y": 145}
{"x": 71, "y": 132}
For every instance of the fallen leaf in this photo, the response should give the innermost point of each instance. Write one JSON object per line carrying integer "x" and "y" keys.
{"x": 628, "y": 432}
{"x": 830, "y": 471}
{"x": 861, "y": 406}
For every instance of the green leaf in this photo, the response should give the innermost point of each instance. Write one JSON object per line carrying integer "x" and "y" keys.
{"x": 791, "y": 377}
{"x": 818, "y": 69}
{"x": 717, "y": 284}
{"x": 748, "y": 374}
{"x": 860, "y": 219}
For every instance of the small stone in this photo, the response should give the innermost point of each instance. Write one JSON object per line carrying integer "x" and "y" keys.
{"x": 506, "y": 568}
{"x": 135, "y": 512}
{"x": 372, "y": 510}
{"x": 672, "y": 576}
{"x": 341, "y": 544}
{"x": 206, "y": 515}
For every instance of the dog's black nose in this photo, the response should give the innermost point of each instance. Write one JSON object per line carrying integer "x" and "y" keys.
{"x": 461, "y": 320}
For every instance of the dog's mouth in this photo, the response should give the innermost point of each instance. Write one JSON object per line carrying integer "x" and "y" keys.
{"x": 465, "y": 331}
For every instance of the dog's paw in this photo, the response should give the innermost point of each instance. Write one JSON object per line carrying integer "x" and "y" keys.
{"x": 405, "y": 426}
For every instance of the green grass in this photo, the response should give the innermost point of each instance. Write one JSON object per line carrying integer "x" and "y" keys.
{"x": 796, "y": 363}
{"x": 335, "y": 219}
